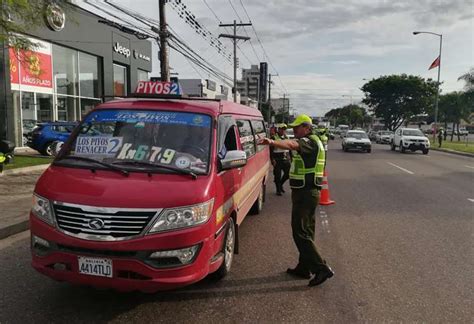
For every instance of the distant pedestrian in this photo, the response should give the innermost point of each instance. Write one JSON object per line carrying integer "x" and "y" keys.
{"x": 281, "y": 160}
{"x": 306, "y": 174}
{"x": 440, "y": 137}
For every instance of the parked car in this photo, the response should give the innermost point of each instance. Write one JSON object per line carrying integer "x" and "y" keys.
{"x": 410, "y": 139}
{"x": 28, "y": 126}
{"x": 45, "y": 134}
{"x": 356, "y": 140}
{"x": 462, "y": 131}
{"x": 383, "y": 137}
{"x": 372, "y": 134}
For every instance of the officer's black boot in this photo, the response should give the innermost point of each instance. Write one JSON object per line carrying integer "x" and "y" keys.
{"x": 321, "y": 276}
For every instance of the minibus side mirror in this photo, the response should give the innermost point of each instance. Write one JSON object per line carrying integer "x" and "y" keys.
{"x": 233, "y": 159}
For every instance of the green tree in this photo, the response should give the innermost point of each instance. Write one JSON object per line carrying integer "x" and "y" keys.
{"x": 17, "y": 18}
{"x": 352, "y": 115}
{"x": 454, "y": 107}
{"x": 468, "y": 78}
{"x": 396, "y": 98}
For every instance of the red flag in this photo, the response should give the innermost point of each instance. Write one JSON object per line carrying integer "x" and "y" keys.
{"x": 435, "y": 63}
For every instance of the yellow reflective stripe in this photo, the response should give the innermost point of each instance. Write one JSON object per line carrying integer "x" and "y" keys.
{"x": 241, "y": 195}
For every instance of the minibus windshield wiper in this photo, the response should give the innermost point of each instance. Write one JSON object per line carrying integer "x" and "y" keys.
{"x": 159, "y": 166}
{"x": 86, "y": 159}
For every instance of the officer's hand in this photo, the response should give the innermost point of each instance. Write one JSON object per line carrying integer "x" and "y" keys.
{"x": 265, "y": 141}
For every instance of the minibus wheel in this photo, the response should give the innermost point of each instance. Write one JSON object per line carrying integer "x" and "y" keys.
{"x": 228, "y": 251}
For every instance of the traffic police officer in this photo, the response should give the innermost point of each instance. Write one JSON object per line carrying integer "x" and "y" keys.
{"x": 306, "y": 175}
{"x": 280, "y": 160}
{"x": 322, "y": 133}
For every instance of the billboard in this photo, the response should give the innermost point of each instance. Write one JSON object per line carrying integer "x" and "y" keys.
{"x": 263, "y": 82}
{"x": 32, "y": 69}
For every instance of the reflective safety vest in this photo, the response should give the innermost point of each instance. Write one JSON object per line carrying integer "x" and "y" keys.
{"x": 2, "y": 158}
{"x": 276, "y": 149}
{"x": 308, "y": 172}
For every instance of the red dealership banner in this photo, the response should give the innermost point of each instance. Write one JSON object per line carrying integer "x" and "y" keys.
{"x": 14, "y": 67}
{"x": 35, "y": 68}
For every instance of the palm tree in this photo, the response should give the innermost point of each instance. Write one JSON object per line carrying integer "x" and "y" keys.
{"x": 468, "y": 77}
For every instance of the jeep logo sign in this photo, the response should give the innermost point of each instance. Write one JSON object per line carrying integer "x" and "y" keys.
{"x": 122, "y": 50}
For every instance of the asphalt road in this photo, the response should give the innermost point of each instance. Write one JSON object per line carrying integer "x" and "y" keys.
{"x": 400, "y": 239}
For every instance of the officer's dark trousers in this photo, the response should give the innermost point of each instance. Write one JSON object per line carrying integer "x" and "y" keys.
{"x": 303, "y": 224}
{"x": 281, "y": 166}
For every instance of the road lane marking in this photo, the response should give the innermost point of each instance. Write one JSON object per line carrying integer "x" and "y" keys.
{"x": 470, "y": 167}
{"x": 471, "y": 200}
{"x": 324, "y": 221}
{"x": 399, "y": 167}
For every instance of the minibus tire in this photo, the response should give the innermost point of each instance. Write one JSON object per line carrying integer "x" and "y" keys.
{"x": 227, "y": 250}
{"x": 258, "y": 204}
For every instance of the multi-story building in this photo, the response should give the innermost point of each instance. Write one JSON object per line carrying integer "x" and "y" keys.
{"x": 248, "y": 86}
{"x": 206, "y": 89}
{"x": 281, "y": 105}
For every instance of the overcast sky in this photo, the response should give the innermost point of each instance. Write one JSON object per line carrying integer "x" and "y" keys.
{"x": 323, "y": 50}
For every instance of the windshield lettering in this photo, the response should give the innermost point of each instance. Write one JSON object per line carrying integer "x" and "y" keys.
{"x": 177, "y": 139}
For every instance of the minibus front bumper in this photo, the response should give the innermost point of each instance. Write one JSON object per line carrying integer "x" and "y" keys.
{"x": 57, "y": 255}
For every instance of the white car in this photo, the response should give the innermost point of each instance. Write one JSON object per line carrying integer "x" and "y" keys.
{"x": 356, "y": 140}
{"x": 410, "y": 139}
{"x": 383, "y": 137}
{"x": 289, "y": 133}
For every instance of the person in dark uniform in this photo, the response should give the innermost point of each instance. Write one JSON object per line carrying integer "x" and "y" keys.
{"x": 280, "y": 160}
{"x": 440, "y": 136}
{"x": 306, "y": 175}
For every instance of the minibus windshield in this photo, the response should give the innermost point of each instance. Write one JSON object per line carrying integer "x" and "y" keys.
{"x": 174, "y": 140}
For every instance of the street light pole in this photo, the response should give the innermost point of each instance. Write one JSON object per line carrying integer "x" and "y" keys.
{"x": 439, "y": 72}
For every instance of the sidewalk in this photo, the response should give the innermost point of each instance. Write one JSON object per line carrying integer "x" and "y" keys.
{"x": 452, "y": 151}
{"x": 15, "y": 201}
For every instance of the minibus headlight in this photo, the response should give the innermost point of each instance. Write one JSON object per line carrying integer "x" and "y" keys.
{"x": 174, "y": 218}
{"x": 42, "y": 209}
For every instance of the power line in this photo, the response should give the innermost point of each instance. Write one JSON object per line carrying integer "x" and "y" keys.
{"x": 263, "y": 49}
{"x": 179, "y": 45}
{"x": 190, "y": 19}
{"x": 250, "y": 41}
{"x": 233, "y": 8}
{"x": 220, "y": 21}
{"x": 126, "y": 23}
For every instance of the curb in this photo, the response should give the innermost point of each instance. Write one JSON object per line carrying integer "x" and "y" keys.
{"x": 14, "y": 229}
{"x": 25, "y": 170}
{"x": 453, "y": 152}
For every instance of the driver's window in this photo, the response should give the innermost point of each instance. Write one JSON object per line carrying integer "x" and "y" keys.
{"x": 230, "y": 142}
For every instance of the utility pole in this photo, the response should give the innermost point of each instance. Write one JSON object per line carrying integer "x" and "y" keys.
{"x": 235, "y": 38}
{"x": 270, "y": 97}
{"x": 164, "y": 64}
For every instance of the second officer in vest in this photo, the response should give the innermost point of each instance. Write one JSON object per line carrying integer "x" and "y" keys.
{"x": 280, "y": 160}
{"x": 306, "y": 173}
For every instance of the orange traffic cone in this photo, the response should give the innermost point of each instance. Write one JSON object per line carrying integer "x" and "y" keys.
{"x": 324, "y": 199}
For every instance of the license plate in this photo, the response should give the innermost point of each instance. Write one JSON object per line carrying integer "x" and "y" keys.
{"x": 95, "y": 266}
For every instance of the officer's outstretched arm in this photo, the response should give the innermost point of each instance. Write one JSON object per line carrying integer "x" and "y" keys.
{"x": 287, "y": 144}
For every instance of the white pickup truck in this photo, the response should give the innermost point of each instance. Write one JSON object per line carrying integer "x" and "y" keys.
{"x": 410, "y": 139}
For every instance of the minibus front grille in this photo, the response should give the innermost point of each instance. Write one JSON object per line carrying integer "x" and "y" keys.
{"x": 94, "y": 222}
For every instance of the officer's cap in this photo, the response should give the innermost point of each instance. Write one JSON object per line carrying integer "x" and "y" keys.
{"x": 301, "y": 119}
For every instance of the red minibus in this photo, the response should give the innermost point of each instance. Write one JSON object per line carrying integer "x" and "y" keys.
{"x": 148, "y": 194}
